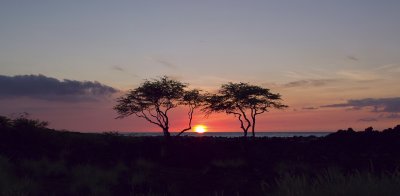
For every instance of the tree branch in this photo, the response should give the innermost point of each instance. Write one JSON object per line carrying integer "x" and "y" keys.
{"x": 240, "y": 119}
{"x": 257, "y": 113}
{"x": 143, "y": 115}
{"x": 245, "y": 117}
{"x": 190, "y": 114}
{"x": 154, "y": 116}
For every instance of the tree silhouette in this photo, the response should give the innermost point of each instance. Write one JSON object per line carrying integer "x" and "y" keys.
{"x": 244, "y": 101}
{"x": 5, "y": 122}
{"x": 153, "y": 99}
{"x": 22, "y": 122}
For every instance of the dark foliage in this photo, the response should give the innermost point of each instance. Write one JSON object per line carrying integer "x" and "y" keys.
{"x": 49, "y": 162}
{"x": 154, "y": 99}
{"x": 244, "y": 101}
{"x": 22, "y": 122}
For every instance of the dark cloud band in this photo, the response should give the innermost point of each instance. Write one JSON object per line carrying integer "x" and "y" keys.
{"x": 43, "y": 87}
{"x": 379, "y": 105}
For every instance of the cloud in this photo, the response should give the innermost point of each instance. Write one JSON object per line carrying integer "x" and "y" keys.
{"x": 166, "y": 63}
{"x": 306, "y": 74}
{"x": 123, "y": 71}
{"x": 309, "y": 82}
{"x": 392, "y": 116}
{"x": 118, "y": 68}
{"x": 359, "y": 75}
{"x": 389, "y": 68}
{"x": 47, "y": 88}
{"x": 367, "y": 119}
{"x": 379, "y": 105}
{"x": 352, "y": 58}
{"x": 310, "y": 108}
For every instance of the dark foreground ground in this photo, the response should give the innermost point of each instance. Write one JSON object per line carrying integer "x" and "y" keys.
{"x": 40, "y": 161}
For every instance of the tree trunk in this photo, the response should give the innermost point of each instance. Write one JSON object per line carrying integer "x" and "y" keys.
{"x": 245, "y": 133}
{"x": 166, "y": 132}
{"x": 253, "y": 127}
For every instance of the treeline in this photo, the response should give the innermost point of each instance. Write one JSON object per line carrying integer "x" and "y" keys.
{"x": 22, "y": 122}
{"x": 368, "y": 131}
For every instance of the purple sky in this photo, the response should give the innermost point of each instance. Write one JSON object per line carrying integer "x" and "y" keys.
{"x": 336, "y": 63}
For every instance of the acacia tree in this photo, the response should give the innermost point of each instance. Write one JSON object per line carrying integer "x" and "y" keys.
{"x": 244, "y": 101}
{"x": 153, "y": 100}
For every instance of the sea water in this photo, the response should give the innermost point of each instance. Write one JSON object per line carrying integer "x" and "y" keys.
{"x": 234, "y": 134}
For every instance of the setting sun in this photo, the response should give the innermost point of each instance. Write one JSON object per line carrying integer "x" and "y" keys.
{"x": 200, "y": 129}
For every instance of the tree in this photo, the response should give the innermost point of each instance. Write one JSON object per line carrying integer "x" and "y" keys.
{"x": 153, "y": 99}
{"x": 244, "y": 101}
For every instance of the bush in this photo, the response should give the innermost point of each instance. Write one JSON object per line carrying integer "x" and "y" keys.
{"x": 5, "y": 122}
{"x": 22, "y": 122}
{"x": 25, "y": 123}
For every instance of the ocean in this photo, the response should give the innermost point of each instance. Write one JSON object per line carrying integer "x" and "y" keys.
{"x": 235, "y": 134}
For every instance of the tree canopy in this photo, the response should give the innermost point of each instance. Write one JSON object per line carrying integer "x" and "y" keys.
{"x": 243, "y": 100}
{"x": 153, "y": 99}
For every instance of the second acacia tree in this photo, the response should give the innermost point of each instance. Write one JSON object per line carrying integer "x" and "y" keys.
{"x": 154, "y": 99}
{"x": 245, "y": 101}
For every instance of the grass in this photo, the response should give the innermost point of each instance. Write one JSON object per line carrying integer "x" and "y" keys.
{"x": 11, "y": 184}
{"x": 332, "y": 182}
{"x": 31, "y": 177}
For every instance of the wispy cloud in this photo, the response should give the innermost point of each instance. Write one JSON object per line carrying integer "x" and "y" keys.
{"x": 47, "y": 88}
{"x": 310, "y": 108}
{"x": 304, "y": 75}
{"x": 391, "y": 105}
{"x": 358, "y": 75}
{"x": 368, "y": 119}
{"x": 319, "y": 77}
{"x": 309, "y": 82}
{"x": 165, "y": 62}
{"x": 391, "y": 116}
{"x": 352, "y": 58}
{"x": 123, "y": 70}
{"x": 118, "y": 68}
{"x": 389, "y": 67}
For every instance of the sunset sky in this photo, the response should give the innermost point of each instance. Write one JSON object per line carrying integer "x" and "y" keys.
{"x": 335, "y": 63}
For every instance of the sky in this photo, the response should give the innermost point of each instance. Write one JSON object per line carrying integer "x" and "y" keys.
{"x": 335, "y": 63}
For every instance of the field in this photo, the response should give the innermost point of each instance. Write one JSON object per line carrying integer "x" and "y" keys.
{"x": 40, "y": 161}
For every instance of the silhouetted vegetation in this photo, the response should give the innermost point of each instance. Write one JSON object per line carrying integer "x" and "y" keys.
{"x": 244, "y": 101}
{"x": 153, "y": 99}
{"x": 22, "y": 122}
{"x": 35, "y": 160}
